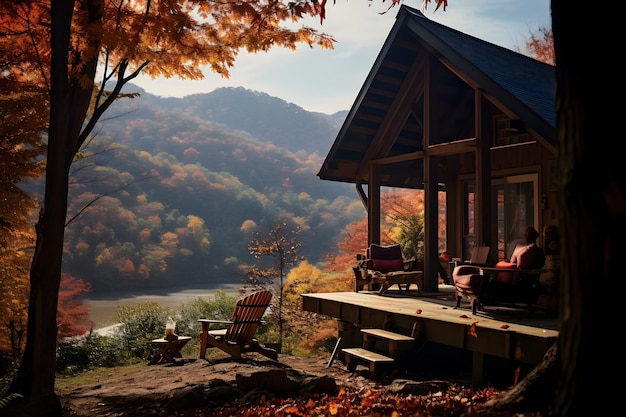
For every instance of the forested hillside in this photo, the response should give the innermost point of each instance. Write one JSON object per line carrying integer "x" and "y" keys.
{"x": 168, "y": 190}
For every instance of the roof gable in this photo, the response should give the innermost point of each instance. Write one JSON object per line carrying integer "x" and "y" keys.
{"x": 387, "y": 118}
{"x": 531, "y": 82}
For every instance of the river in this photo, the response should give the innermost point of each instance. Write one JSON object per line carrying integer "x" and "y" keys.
{"x": 102, "y": 309}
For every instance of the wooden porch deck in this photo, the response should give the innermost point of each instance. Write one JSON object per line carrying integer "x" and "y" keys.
{"x": 508, "y": 333}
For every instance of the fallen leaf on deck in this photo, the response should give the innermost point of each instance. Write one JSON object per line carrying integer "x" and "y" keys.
{"x": 472, "y": 329}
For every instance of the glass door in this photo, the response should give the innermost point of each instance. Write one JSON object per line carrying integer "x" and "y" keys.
{"x": 516, "y": 207}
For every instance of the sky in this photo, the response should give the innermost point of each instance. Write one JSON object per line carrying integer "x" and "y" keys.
{"x": 327, "y": 81}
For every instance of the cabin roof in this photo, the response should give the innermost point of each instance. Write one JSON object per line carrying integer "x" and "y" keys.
{"x": 523, "y": 86}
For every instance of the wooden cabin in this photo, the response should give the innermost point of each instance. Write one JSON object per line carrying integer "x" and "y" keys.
{"x": 446, "y": 112}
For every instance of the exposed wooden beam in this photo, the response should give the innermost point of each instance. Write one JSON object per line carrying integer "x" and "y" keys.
{"x": 453, "y": 148}
{"x": 389, "y": 128}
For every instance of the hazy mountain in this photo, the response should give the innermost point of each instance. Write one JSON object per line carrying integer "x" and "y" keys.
{"x": 269, "y": 119}
{"x": 169, "y": 186}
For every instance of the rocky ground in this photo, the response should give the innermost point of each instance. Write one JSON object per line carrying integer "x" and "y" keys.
{"x": 197, "y": 388}
{"x": 145, "y": 391}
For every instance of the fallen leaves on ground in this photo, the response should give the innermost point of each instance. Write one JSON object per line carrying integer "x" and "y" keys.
{"x": 365, "y": 402}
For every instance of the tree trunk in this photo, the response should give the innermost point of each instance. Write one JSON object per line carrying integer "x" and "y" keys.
{"x": 68, "y": 109}
{"x": 593, "y": 222}
{"x": 535, "y": 393}
{"x": 593, "y": 235}
{"x": 36, "y": 374}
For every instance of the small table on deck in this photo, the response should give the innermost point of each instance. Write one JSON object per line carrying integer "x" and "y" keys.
{"x": 166, "y": 351}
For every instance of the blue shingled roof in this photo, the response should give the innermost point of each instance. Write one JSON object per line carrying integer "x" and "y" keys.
{"x": 531, "y": 82}
{"x": 386, "y": 118}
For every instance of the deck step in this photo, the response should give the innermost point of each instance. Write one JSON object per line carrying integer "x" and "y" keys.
{"x": 387, "y": 335}
{"x": 377, "y": 362}
{"x": 395, "y": 342}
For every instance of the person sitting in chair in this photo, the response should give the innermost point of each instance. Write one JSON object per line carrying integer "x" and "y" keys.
{"x": 528, "y": 256}
{"x": 517, "y": 281}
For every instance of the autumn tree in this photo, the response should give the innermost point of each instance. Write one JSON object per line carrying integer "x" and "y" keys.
{"x": 541, "y": 45}
{"x": 353, "y": 241}
{"x": 404, "y": 215}
{"x": 275, "y": 250}
{"x": 72, "y": 314}
{"x": 15, "y": 259}
{"x": 402, "y": 222}
{"x": 60, "y": 47}
{"x": 23, "y": 111}
{"x": 305, "y": 332}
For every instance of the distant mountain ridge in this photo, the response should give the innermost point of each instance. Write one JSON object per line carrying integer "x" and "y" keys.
{"x": 269, "y": 119}
{"x": 178, "y": 182}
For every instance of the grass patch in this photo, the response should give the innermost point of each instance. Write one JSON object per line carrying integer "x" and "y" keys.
{"x": 95, "y": 375}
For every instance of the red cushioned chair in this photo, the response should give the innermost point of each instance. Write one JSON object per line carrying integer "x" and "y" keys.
{"x": 467, "y": 278}
{"x": 385, "y": 258}
{"x": 381, "y": 261}
{"x": 508, "y": 283}
{"x": 516, "y": 281}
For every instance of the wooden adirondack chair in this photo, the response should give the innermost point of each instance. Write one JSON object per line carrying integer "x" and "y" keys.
{"x": 238, "y": 336}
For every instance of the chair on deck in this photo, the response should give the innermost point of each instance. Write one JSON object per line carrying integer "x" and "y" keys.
{"x": 384, "y": 266}
{"x": 506, "y": 283}
{"x": 515, "y": 281}
{"x": 238, "y": 336}
{"x": 467, "y": 278}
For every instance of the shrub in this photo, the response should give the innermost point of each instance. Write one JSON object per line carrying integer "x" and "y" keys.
{"x": 139, "y": 324}
{"x": 187, "y": 315}
{"x": 77, "y": 354}
{"x": 72, "y": 356}
{"x": 106, "y": 351}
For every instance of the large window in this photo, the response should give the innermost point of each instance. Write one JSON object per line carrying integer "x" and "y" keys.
{"x": 469, "y": 227}
{"x": 509, "y": 132}
{"x": 514, "y": 206}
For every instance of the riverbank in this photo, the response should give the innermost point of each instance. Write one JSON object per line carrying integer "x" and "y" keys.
{"x": 103, "y": 308}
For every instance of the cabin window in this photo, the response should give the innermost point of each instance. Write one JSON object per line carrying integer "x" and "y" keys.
{"x": 515, "y": 206}
{"x": 509, "y": 131}
{"x": 469, "y": 227}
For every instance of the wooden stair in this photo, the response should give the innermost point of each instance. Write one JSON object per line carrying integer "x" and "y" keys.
{"x": 377, "y": 360}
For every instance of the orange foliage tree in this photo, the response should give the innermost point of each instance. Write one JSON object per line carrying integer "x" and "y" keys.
{"x": 72, "y": 314}
{"x": 14, "y": 263}
{"x": 402, "y": 222}
{"x": 23, "y": 111}
{"x": 305, "y": 331}
{"x": 59, "y": 48}
{"x": 541, "y": 45}
{"x": 353, "y": 241}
